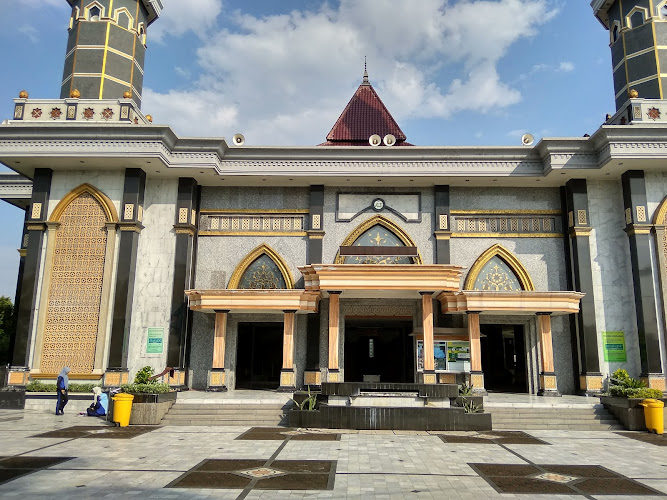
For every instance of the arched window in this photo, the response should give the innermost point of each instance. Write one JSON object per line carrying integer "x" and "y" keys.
{"x": 94, "y": 14}
{"x": 73, "y": 320}
{"x": 498, "y": 270}
{"x": 615, "y": 31}
{"x": 378, "y": 232}
{"x": 261, "y": 269}
{"x": 636, "y": 17}
{"x": 124, "y": 19}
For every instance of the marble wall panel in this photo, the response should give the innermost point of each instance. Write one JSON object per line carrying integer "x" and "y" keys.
{"x": 612, "y": 272}
{"x": 155, "y": 273}
{"x": 656, "y": 191}
{"x": 484, "y": 198}
{"x": 336, "y": 232}
{"x": 219, "y": 256}
{"x": 111, "y": 183}
{"x": 201, "y": 349}
{"x": 255, "y": 198}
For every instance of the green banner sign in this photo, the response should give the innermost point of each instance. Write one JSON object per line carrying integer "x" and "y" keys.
{"x": 155, "y": 340}
{"x": 614, "y": 346}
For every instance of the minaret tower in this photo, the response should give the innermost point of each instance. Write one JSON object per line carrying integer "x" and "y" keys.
{"x": 106, "y": 48}
{"x": 638, "y": 41}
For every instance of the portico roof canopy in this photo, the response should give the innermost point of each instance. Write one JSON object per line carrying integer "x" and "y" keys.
{"x": 515, "y": 302}
{"x": 375, "y": 281}
{"x": 263, "y": 301}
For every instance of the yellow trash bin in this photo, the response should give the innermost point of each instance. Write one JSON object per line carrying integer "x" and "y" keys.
{"x": 122, "y": 408}
{"x": 654, "y": 415}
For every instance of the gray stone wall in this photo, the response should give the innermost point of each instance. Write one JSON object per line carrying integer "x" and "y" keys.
{"x": 612, "y": 272}
{"x": 155, "y": 273}
{"x": 336, "y": 232}
{"x": 255, "y": 198}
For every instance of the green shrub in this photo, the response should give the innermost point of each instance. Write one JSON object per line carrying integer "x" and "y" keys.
{"x": 143, "y": 376}
{"x": 622, "y": 385}
{"x": 152, "y": 388}
{"x": 37, "y": 386}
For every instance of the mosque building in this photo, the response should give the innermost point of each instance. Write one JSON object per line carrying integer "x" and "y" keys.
{"x": 539, "y": 269}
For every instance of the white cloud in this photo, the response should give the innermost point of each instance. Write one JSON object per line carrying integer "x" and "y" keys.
{"x": 285, "y": 78}
{"x": 30, "y": 32}
{"x": 566, "y": 67}
{"x": 181, "y": 16}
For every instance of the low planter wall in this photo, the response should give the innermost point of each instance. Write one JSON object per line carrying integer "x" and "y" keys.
{"x": 12, "y": 399}
{"x": 627, "y": 411}
{"x": 46, "y": 401}
{"x": 150, "y": 409}
{"x": 376, "y": 418}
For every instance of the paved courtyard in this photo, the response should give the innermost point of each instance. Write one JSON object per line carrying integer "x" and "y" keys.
{"x": 80, "y": 457}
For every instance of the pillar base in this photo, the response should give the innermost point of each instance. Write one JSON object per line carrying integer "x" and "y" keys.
{"x": 216, "y": 380}
{"x": 429, "y": 377}
{"x": 115, "y": 377}
{"x": 548, "y": 385}
{"x": 590, "y": 384}
{"x": 654, "y": 381}
{"x": 477, "y": 383}
{"x": 178, "y": 380}
{"x": 312, "y": 378}
{"x": 287, "y": 380}
{"x": 18, "y": 376}
{"x": 333, "y": 375}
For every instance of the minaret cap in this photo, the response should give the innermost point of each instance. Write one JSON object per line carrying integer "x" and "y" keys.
{"x": 365, "y": 81}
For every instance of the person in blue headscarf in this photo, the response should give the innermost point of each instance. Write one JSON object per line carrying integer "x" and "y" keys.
{"x": 62, "y": 390}
{"x": 100, "y": 404}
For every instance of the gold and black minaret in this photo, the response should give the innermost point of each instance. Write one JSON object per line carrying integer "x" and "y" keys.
{"x": 638, "y": 42}
{"x": 106, "y": 48}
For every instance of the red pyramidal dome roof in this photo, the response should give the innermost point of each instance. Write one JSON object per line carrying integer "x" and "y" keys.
{"x": 364, "y": 116}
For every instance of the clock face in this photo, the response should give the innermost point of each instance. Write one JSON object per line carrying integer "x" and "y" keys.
{"x": 378, "y": 204}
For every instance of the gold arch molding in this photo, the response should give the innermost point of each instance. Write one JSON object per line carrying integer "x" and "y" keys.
{"x": 515, "y": 265}
{"x": 263, "y": 249}
{"x": 384, "y": 222}
{"x": 103, "y": 199}
{"x": 661, "y": 213}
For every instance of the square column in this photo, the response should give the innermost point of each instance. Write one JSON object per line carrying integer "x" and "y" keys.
{"x": 548, "y": 385}
{"x": 476, "y": 373}
{"x": 334, "y": 337}
{"x": 427, "y": 324}
{"x": 216, "y": 375}
{"x": 287, "y": 374}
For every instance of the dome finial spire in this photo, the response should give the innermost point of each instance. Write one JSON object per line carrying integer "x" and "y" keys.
{"x": 365, "y": 80}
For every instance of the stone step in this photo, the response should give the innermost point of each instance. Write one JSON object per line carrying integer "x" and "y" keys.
{"x": 235, "y": 411}
{"x": 557, "y": 427}
{"x": 230, "y": 423}
{"x": 204, "y": 406}
{"x": 523, "y": 416}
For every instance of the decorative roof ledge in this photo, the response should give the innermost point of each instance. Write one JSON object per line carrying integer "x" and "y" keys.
{"x": 263, "y": 301}
{"x": 374, "y": 280}
{"x": 519, "y": 302}
{"x": 97, "y": 111}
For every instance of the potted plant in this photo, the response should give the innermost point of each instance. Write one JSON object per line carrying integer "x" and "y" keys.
{"x": 305, "y": 413}
{"x": 152, "y": 399}
{"x": 624, "y": 398}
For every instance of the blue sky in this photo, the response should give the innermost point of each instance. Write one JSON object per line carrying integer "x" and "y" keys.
{"x": 467, "y": 72}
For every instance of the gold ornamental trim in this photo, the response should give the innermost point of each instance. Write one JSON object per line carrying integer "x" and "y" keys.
{"x": 36, "y": 227}
{"x": 252, "y": 233}
{"x": 315, "y": 235}
{"x": 507, "y": 235}
{"x": 580, "y": 231}
{"x": 514, "y": 264}
{"x": 634, "y": 230}
{"x": 252, "y": 257}
{"x": 505, "y": 212}
{"x": 442, "y": 235}
{"x": 661, "y": 213}
{"x": 23, "y": 252}
{"x": 386, "y": 223}
{"x": 242, "y": 211}
{"x": 103, "y": 199}
{"x": 185, "y": 230}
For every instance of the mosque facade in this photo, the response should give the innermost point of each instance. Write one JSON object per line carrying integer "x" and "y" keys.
{"x": 540, "y": 268}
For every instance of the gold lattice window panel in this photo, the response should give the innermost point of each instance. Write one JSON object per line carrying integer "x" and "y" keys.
{"x": 73, "y": 311}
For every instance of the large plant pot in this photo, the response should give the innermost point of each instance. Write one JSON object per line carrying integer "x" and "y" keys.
{"x": 12, "y": 399}
{"x": 150, "y": 409}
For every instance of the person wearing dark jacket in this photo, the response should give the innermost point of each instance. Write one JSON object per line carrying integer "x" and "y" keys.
{"x": 62, "y": 389}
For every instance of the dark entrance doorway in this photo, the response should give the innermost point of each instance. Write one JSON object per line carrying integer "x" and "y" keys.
{"x": 504, "y": 358}
{"x": 259, "y": 355}
{"x": 380, "y": 347}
